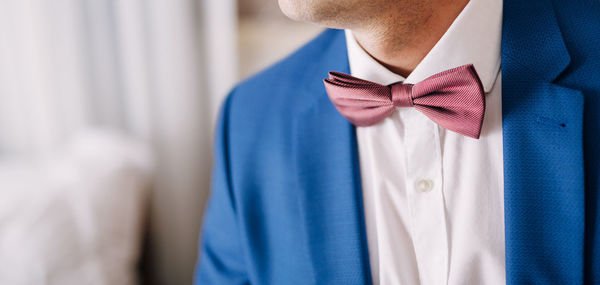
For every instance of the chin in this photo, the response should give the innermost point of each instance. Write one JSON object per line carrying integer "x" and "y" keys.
{"x": 295, "y": 9}
{"x": 329, "y": 13}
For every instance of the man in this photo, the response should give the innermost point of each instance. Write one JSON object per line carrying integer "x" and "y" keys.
{"x": 453, "y": 142}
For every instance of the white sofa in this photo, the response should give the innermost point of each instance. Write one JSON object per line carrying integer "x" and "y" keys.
{"x": 75, "y": 217}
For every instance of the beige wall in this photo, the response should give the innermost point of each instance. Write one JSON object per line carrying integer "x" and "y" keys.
{"x": 266, "y": 35}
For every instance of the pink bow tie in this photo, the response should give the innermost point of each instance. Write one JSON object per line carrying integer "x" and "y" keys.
{"x": 454, "y": 99}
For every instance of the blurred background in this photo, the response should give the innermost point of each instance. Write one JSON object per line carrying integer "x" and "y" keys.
{"x": 107, "y": 110}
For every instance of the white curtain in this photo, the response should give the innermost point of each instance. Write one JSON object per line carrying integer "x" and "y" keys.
{"x": 154, "y": 69}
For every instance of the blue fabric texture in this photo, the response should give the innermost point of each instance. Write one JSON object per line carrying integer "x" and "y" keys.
{"x": 286, "y": 204}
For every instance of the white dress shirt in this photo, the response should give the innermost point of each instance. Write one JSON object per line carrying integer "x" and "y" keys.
{"x": 433, "y": 199}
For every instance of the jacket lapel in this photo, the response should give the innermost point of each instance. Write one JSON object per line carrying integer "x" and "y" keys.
{"x": 543, "y": 153}
{"x": 328, "y": 178}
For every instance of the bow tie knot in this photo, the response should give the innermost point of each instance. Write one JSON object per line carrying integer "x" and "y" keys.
{"x": 454, "y": 99}
{"x": 402, "y": 95}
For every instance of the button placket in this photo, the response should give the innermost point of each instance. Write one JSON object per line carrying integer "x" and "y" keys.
{"x": 424, "y": 181}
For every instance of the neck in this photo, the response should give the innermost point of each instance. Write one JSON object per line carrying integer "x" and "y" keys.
{"x": 400, "y": 38}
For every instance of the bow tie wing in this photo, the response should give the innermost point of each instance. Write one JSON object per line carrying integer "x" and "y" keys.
{"x": 454, "y": 99}
{"x": 362, "y": 102}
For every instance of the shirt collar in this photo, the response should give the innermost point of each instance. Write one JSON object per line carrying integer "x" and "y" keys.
{"x": 474, "y": 37}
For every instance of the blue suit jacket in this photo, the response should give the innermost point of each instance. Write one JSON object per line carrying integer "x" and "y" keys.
{"x": 286, "y": 195}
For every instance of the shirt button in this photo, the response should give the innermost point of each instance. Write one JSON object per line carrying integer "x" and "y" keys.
{"x": 424, "y": 185}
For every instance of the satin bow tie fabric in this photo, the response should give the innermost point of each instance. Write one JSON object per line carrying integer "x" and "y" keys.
{"x": 454, "y": 99}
